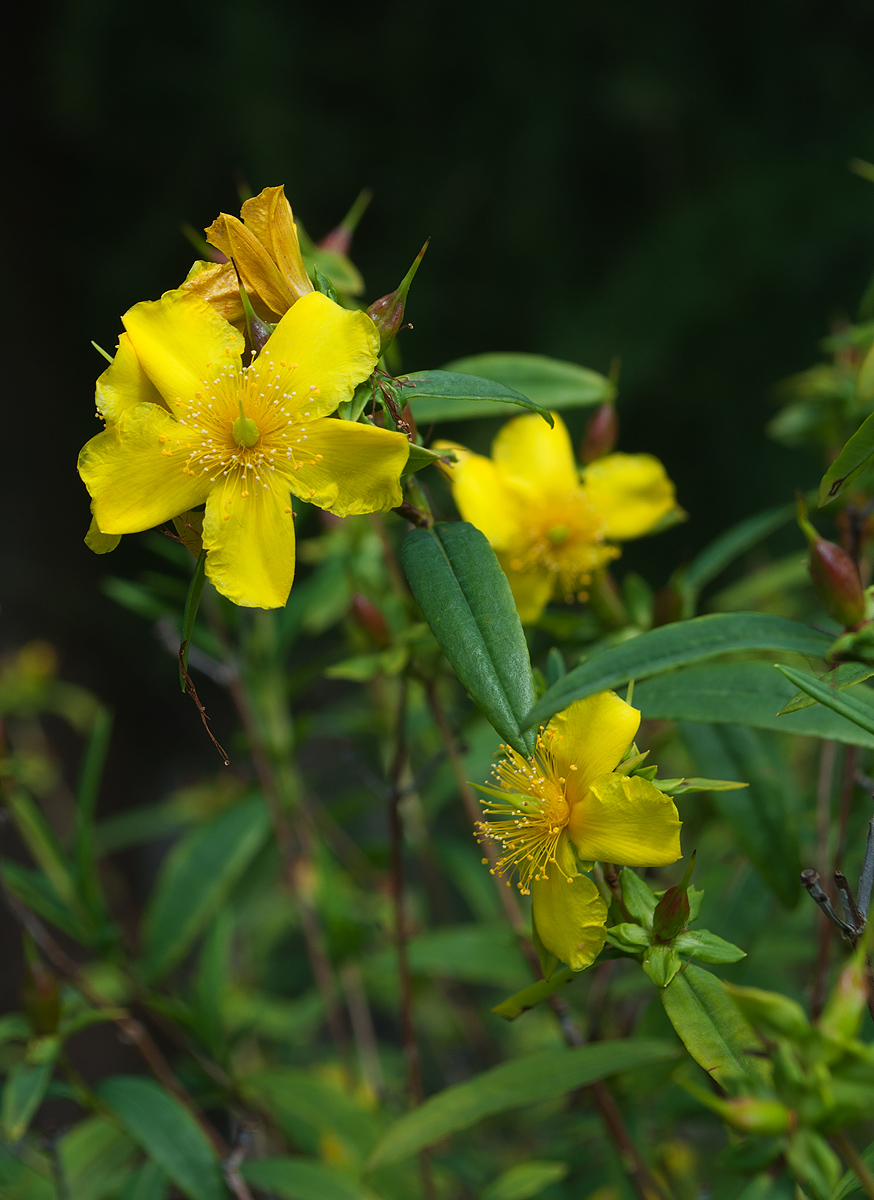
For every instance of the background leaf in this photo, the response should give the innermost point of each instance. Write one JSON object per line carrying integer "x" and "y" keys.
{"x": 548, "y": 381}
{"x": 466, "y": 599}
{"x": 522, "y": 1081}
{"x": 855, "y": 453}
{"x": 304, "y": 1179}
{"x": 167, "y": 1132}
{"x": 451, "y": 396}
{"x": 525, "y": 1180}
{"x": 195, "y": 879}
{"x": 23, "y": 1093}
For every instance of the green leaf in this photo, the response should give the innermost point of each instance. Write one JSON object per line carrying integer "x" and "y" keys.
{"x": 682, "y": 787}
{"x": 86, "y": 805}
{"x": 677, "y": 645}
{"x": 855, "y": 454}
{"x": 466, "y": 599}
{"x": 149, "y": 1183}
{"x": 42, "y": 843}
{"x": 661, "y": 964}
{"x": 849, "y": 1184}
{"x": 845, "y": 676}
{"x": 722, "y": 552}
{"x": 447, "y": 396}
{"x": 637, "y": 897}
{"x": 514, "y": 1084}
{"x": 547, "y": 381}
{"x": 195, "y": 880}
{"x": 304, "y": 1179}
{"x": 420, "y": 458}
{"x": 34, "y": 891}
{"x": 95, "y": 1157}
{"x": 744, "y": 693}
{"x": 712, "y": 1027}
{"x": 306, "y": 1107}
{"x": 535, "y": 994}
{"x": 167, "y": 1132}
{"x": 861, "y": 714}
{"x": 707, "y": 947}
{"x": 525, "y": 1180}
{"x": 23, "y": 1093}
{"x": 475, "y": 953}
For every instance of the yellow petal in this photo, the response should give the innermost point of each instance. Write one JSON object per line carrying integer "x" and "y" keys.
{"x": 631, "y": 491}
{"x": 591, "y": 735}
{"x": 359, "y": 469}
{"x": 570, "y": 917}
{"x": 532, "y": 590}
{"x": 624, "y": 819}
{"x": 331, "y": 349}
{"x": 270, "y": 218}
{"x": 178, "y": 339}
{"x": 100, "y": 543}
{"x": 482, "y": 498}
{"x": 250, "y": 541}
{"x": 124, "y": 383}
{"x": 217, "y": 284}
{"x": 258, "y": 271}
{"x": 134, "y": 478}
{"x": 532, "y": 456}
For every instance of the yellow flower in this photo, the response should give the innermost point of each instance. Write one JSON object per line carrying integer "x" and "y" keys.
{"x": 565, "y": 808}
{"x": 552, "y": 526}
{"x": 187, "y": 424}
{"x": 265, "y": 248}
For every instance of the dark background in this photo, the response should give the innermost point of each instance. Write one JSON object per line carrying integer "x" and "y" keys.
{"x": 663, "y": 182}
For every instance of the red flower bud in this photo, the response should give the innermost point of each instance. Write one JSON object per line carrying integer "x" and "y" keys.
{"x": 602, "y": 433}
{"x": 339, "y": 240}
{"x": 387, "y": 313}
{"x": 370, "y": 619}
{"x": 834, "y": 574}
{"x": 672, "y": 911}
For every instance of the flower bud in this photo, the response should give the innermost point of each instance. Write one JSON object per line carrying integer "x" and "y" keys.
{"x": 752, "y": 1115}
{"x": 371, "y": 620}
{"x": 602, "y": 434}
{"x": 339, "y": 240}
{"x": 834, "y": 575}
{"x": 672, "y": 911}
{"x": 387, "y": 313}
{"x": 40, "y": 995}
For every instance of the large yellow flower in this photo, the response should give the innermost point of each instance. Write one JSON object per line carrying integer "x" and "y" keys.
{"x": 188, "y": 423}
{"x": 552, "y": 526}
{"x": 565, "y": 808}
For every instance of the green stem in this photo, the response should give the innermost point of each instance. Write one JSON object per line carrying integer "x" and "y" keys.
{"x": 855, "y": 1162}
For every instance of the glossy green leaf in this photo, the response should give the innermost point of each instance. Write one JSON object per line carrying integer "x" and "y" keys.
{"x": 707, "y": 947}
{"x": 743, "y": 693}
{"x": 450, "y": 396}
{"x": 852, "y": 707}
{"x": 525, "y": 1180}
{"x": 845, "y": 676}
{"x": 712, "y": 1027}
{"x": 761, "y": 817}
{"x": 728, "y": 546}
{"x": 678, "y": 645}
{"x": 855, "y": 454}
{"x": 535, "y": 994}
{"x": 548, "y": 381}
{"x": 466, "y": 599}
{"x": 514, "y": 1084}
{"x": 23, "y": 1093}
{"x": 167, "y": 1132}
{"x": 304, "y": 1179}
{"x": 196, "y": 878}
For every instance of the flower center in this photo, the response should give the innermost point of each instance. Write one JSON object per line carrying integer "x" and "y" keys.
{"x": 563, "y": 535}
{"x": 532, "y": 800}
{"x": 245, "y": 432}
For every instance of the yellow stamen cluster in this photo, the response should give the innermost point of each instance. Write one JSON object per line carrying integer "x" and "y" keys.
{"x": 243, "y": 424}
{"x": 531, "y": 797}
{"x": 565, "y": 536}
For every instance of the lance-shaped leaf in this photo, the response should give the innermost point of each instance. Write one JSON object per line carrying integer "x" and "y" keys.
{"x": 712, "y": 1027}
{"x": 744, "y": 693}
{"x": 304, "y": 1179}
{"x": 845, "y": 676}
{"x": 728, "y": 546}
{"x": 466, "y": 599}
{"x": 534, "y": 994}
{"x": 548, "y": 381}
{"x": 23, "y": 1093}
{"x": 845, "y": 705}
{"x": 677, "y": 645}
{"x": 855, "y": 455}
{"x": 528, "y": 1080}
{"x": 525, "y": 1180}
{"x": 449, "y": 396}
{"x": 167, "y": 1132}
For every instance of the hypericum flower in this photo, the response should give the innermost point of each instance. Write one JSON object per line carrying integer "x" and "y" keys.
{"x": 551, "y": 526}
{"x": 563, "y": 809}
{"x": 265, "y": 248}
{"x": 187, "y": 423}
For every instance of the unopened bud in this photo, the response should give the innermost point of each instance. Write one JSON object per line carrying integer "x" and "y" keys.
{"x": 834, "y": 574}
{"x": 258, "y": 331}
{"x": 371, "y": 620}
{"x": 672, "y": 911}
{"x": 602, "y": 434}
{"x": 40, "y": 995}
{"x": 340, "y": 239}
{"x": 387, "y": 313}
{"x": 752, "y": 1115}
